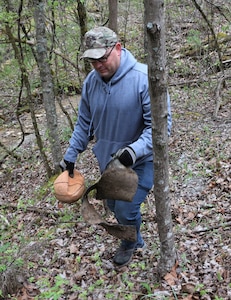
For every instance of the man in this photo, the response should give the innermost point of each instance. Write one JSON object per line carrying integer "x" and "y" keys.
{"x": 115, "y": 108}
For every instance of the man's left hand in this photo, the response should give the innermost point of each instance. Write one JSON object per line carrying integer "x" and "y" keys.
{"x": 126, "y": 156}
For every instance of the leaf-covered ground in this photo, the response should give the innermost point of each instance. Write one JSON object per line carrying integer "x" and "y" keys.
{"x": 48, "y": 252}
{"x": 58, "y": 256}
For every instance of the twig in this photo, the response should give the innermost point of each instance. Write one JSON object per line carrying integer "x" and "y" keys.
{"x": 227, "y": 224}
{"x": 32, "y": 209}
{"x": 65, "y": 58}
{"x": 8, "y": 95}
{"x": 218, "y": 93}
{"x": 188, "y": 82}
{"x": 4, "y": 219}
{"x": 199, "y": 80}
{"x": 9, "y": 152}
{"x": 217, "y": 47}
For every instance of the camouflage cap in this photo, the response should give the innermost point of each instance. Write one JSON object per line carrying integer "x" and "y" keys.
{"x": 97, "y": 40}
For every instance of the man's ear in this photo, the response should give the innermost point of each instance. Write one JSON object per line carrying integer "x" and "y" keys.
{"x": 118, "y": 46}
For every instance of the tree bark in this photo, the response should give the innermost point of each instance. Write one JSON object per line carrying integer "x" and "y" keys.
{"x": 47, "y": 83}
{"x": 82, "y": 14}
{"x": 25, "y": 81}
{"x": 113, "y": 14}
{"x": 156, "y": 58}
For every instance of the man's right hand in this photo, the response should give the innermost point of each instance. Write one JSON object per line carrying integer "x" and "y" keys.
{"x": 67, "y": 165}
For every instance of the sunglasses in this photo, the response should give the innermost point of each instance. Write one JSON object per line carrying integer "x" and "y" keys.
{"x": 102, "y": 59}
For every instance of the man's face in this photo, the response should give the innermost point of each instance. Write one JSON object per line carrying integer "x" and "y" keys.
{"x": 107, "y": 68}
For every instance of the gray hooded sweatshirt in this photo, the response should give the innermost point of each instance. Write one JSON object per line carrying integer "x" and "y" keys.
{"x": 117, "y": 113}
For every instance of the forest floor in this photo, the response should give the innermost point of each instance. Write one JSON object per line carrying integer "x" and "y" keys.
{"x": 58, "y": 256}
{"x": 48, "y": 252}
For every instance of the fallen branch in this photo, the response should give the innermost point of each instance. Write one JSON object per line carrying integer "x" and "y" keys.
{"x": 32, "y": 209}
{"x": 227, "y": 224}
{"x": 188, "y": 82}
{"x": 198, "y": 80}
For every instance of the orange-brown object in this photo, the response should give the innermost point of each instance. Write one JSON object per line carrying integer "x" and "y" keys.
{"x": 69, "y": 189}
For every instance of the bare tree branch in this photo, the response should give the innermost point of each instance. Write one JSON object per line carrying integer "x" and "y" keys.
{"x": 212, "y": 32}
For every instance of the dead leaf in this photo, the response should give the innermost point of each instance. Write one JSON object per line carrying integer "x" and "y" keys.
{"x": 188, "y": 288}
{"x": 78, "y": 275}
{"x": 73, "y": 249}
{"x": 191, "y": 216}
{"x": 179, "y": 220}
{"x": 171, "y": 277}
{"x": 189, "y": 297}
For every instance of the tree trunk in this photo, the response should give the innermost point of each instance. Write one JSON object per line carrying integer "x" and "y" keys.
{"x": 47, "y": 83}
{"x": 25, "y": 81}
{"x": 155, "y": 38}
{"x": 113, "y": 12}
{"x": 82, "y": 14}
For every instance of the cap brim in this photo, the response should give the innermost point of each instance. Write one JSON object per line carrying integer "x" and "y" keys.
{"x": 94, "y": 53}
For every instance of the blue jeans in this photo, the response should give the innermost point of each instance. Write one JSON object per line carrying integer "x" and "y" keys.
{"x": 128, "y": 213}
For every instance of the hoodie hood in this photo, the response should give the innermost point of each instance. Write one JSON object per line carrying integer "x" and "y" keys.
{"x": 127, "y": 62}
